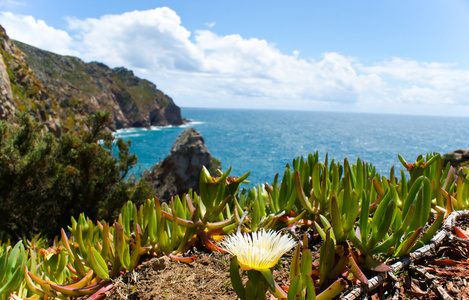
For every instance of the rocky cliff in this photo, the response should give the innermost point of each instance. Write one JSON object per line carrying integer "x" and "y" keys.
{"x": 21, "y": 90}
{"x": 63, "y": 90}
{"x": 180, "y": 170}
{"x": 7, "y": 107}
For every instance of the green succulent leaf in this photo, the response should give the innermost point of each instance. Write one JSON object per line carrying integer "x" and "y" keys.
{"x": 301, "y": 194}
{"x": 98, "y": 264}
{"x": 310, "y": 290}
{"x": 306, "y": 262}
{"x": 295, "y": 263}
{"x": 355, "y": 269}
{"x": 336, "y": 221}
{"x": 295, "y": 288}
{"x": 326, "y": 257}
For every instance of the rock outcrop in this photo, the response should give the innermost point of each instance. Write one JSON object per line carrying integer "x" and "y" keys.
{"x": 63, "y": 90}
{"x": 6, "y": 95}
{"x": 458, "y": 159}
{"x": 180, "y": 170}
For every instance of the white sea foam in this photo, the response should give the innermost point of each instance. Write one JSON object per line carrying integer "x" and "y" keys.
{"x": 193, "y": 123}
{"x": 190, "y": 123}
{"x": 129, "y": 135}
{"x": 157, "y": 128}
{"x": 128, "y": 132}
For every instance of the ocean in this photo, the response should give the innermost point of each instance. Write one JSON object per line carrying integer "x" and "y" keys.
{"x": 262, "y": 142}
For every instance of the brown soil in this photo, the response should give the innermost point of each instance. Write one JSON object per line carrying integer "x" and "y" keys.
{"x": 442, "y": 275}
{"x": 206, "y": 278}
{"x": 163, "y": 278}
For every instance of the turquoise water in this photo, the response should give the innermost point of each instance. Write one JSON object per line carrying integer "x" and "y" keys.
{"x": 263, "y": 142}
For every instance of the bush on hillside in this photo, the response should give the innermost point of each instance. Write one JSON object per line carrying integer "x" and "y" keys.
{"x": 45, "y": 180}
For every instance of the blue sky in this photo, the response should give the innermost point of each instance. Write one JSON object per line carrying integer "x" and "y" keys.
{"x": 397, "y": 56}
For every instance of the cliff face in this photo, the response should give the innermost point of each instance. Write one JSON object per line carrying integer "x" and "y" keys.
{"x": 7, "y": 107}
{"x": 21, "y": 90}
{"x": 62, "y": 90}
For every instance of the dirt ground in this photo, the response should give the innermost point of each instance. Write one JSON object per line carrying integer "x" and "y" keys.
{"x": 441, "y": 276}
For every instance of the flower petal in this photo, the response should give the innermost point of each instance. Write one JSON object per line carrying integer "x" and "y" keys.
{"x": 259, "y": 250}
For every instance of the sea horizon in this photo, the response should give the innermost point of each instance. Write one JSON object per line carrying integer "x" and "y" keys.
{"x": 263, "y": 141}
{"x": 409, "y": 113}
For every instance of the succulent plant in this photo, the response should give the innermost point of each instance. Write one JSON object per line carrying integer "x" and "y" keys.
{"x": 347, "y": 204}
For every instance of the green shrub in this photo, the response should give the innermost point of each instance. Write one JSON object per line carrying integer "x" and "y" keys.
{"x": 45, "y": 180}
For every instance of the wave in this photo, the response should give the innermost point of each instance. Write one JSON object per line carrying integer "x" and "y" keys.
{"x": 157, "y": 128}
{"x": 131, "y": 130}
{"x": 194, "y": 123}
{"x": 129, "y": 135}
{"x": 185, "y": 125}
{"x": 128, "y": 132}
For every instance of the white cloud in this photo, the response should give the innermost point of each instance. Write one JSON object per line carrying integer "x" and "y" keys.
{"x": 11, "y": 3}
{"x": 278, "y": 76}
{"x": 37, "y": 33}
{"x": 205, "y": 69}
{"x": 426, "y": 83}
{"x": 210, "y": 24}
{"x": 152, "y": 39}
{"x": 424, "y": 95}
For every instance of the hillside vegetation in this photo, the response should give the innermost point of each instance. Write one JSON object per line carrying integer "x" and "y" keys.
{"x": 57, "y": 155}
{"x": 45, "y": 180}
{"x": 62, "y": 91}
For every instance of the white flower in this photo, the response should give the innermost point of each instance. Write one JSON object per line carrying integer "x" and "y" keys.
{"x": 258, "y": 251}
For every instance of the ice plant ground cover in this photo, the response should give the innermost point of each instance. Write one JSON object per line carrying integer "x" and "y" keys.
{"x": 208, "y": 277}
{"x": 362, "y": 219}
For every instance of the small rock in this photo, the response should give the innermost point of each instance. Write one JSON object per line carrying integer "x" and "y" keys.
{"x": 160, "y": 263}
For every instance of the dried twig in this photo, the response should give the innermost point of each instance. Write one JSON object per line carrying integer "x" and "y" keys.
{"x": 454, "y": 238}
{"x": 241, "y": 221}
{"x": 427, "y": 250}
{"x": 433, "y": 279}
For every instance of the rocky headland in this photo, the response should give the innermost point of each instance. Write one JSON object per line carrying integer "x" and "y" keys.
{"x": 61, "y": 91}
